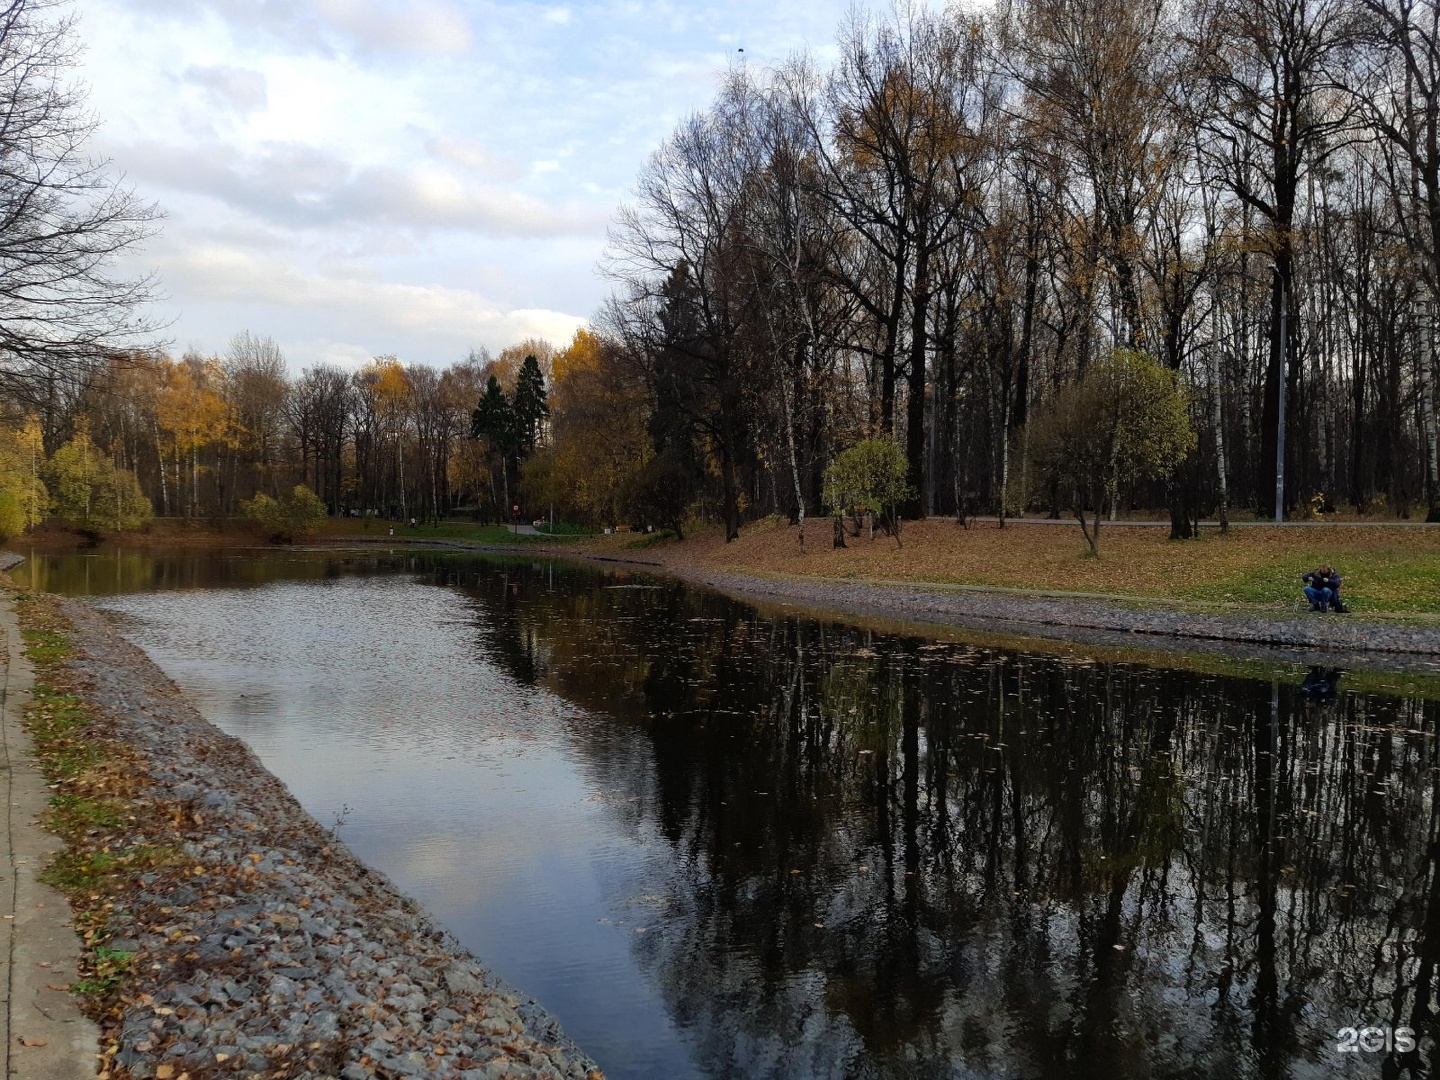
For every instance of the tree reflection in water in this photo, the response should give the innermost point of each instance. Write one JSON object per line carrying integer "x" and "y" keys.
{"x": 889, "y": 856}
{"x": 900, "y": 857}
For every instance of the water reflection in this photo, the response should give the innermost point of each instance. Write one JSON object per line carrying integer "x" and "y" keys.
{"x": 903, "y": 857}
{"x": 868, "y": 855}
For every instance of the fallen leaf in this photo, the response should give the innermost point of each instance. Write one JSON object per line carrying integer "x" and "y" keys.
{"x": 164, "y": 1072}
{"x": 57, "y": 986}
{"x": 25, "y": 1041}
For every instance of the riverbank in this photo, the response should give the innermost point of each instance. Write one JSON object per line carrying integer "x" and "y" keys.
{"x": 43, "y": 1034}
{"x": 1220, "y": 592}
{"x": 229, "y": 933}
{"x": 761, "y": 567}
{"x": 985, "y": 578}
{"x": 1388, "y": 569}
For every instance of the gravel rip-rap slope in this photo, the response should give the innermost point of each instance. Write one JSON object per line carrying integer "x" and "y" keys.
{"x": 285, "y": 956}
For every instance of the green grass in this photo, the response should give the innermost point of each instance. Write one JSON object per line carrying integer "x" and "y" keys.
{"x": 71, "y": 814}
{"x": 663, "y": 536}
{"x": 45, "y": 646}
{"x": 80, "y": 871}
{"x": 1392, "y": 581}
{"x": 90, "y": 811}
{"x": 109, "y": 967}
{"x": 76, "y": 871}
{"x": 463, "y": 531}
{"x": 565, "y": 528}
{"x": 58, "y": 724}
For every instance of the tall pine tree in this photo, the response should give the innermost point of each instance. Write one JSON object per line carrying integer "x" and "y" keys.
{"x": 529, "y": 409}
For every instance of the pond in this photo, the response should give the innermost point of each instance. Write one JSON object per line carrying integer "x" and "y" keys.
{"x": 722, "y": 842}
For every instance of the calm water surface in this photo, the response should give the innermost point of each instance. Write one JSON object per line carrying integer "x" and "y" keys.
{"x": 721, "y": 843}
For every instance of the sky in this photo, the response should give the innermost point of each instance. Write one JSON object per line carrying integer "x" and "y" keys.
{"x": 358, "y": 178}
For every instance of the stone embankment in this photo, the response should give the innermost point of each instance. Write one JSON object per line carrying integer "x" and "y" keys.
{"x": 1303, "y": 636}
{"x": 261, "y": 946}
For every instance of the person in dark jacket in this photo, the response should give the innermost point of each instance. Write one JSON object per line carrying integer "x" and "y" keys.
{"x": 1322, "y": 589}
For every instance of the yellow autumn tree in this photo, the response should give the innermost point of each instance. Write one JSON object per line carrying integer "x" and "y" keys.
{"x": 506, "y": 366}
{"x": 468, "y": 467}
{"x": 23, "y": 498}
{"x": 88, "y": 491}
{"x": 385, "y": 401}
{"x": 192, "y": 415}
{"x": 598, "y": 414}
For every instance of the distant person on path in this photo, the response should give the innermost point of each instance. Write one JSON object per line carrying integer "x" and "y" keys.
{"x": 1322, "y": 589}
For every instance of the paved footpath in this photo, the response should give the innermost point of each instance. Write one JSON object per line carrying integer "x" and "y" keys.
{"x": 45, "y": 1036}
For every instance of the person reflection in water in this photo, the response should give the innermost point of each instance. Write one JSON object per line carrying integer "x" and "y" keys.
{"x": 1321, "y": 685}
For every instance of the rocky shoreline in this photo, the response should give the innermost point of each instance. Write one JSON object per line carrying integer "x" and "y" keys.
{"x": 1303, "y": 637}
{"x": 1101, "y": 621}
{"x": 263, "y": 947}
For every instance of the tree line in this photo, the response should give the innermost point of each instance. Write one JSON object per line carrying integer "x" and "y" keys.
{"x": 953, "y": 238}
{"x": 937, "y": 237}
{"x": 204, "y": 435}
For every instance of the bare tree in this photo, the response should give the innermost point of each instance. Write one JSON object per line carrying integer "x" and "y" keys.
{"x": 64, "y": 217}
{"x": 1403, "y": 103}
{"x": 1276, "y": 112}
{"x": 257, "y": 385}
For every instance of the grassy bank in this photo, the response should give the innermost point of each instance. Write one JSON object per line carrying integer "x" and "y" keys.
{"x": 466, "y": 532}
{"x": 97, "y": 807}
{"x": 1387, "y": 569}
{"x": 182, "y": 534}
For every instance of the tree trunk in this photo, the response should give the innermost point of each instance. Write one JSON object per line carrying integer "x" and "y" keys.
{"x": 915, "y": 387}
{"x": 1217, "y": 422}
{"x": 794, "y": 460}
{"x": 1426, "y": 361}
{"x": 1005, "y": 452}
{"x": 730, "y": 495}
{"x": 160, "y": 457}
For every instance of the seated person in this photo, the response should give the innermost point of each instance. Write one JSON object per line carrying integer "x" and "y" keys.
{"x": 1322, "y": 589}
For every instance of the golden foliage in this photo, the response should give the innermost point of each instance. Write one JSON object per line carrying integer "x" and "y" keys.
{"x": 23, "y": 497}
{"x": 192, "y": 411}
{"x": 598, "y": 413}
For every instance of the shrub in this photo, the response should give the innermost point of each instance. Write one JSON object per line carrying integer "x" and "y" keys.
{"x": 89, "y": 492}
{"x": 288, "y": 517}
{"x": 868, "y": 478}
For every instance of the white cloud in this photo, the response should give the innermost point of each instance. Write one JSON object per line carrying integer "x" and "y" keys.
{"x": 378, "y": 312}
{"x": 373, "y": 27}
{"x": 475, "y": 156}
{"x": 342, "y": 354}
{"x": 227, "y": 87}
{"x": 357, "y": 177}
{"x": 301, "y": 187}
{"x": 418, "y": 26}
